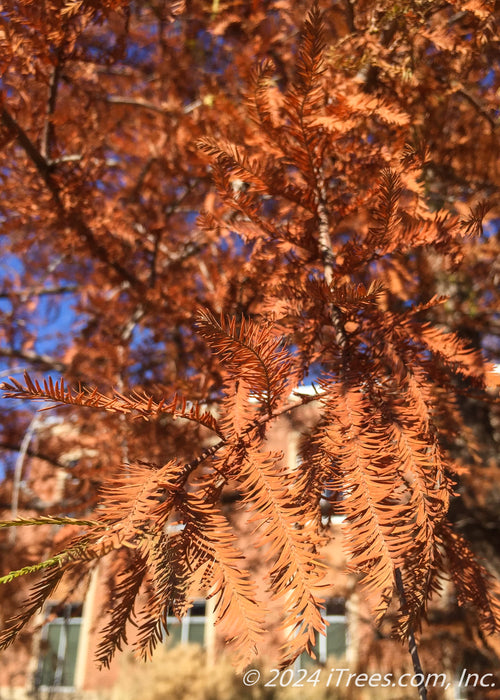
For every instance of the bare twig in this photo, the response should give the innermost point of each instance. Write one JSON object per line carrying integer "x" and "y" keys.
{"x": 478, "y": 107}
{"x": 35, "y": 358}
{"x": 137, "y": 102}
{"x": 129, "y": 327}
{"x": 144, "y": 104}
{"x": 15, "y": 447}
{"x": 70, "y": 158}
{"x": 39, "y": 291}
{"x": 47, "y": 142}
{"x": 325, "y": 247}
{"x": 349, "y": 16}
{"x": 412, "y": 644}
{"x": 12, "y": 370}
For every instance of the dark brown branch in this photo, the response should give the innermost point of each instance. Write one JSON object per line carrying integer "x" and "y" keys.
{"x": 38, "y": 291}
{"x": 325, "y": 247}
{"x": 70, "y": 218}
{"x": 478, "y": 107}
{"x": 14, "y": 447}
{"x": 31, "y": 150}
{"x": 48, "y": 137}
{"x": 412, "y": 644}
{"x": 189, "y": 467}
{"x": 34, "y": 358}
{"x": 349, "y": 16}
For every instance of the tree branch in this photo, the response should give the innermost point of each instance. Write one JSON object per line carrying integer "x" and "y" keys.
{"x": 36, "y": 359}
{"x": 31, "y": 151}
{"x": 325, "y": 247}
{"x": 14, "y": 447}
{"x": 130, "y": 102}
{"x": 189, "y": 467}
{"x": 48, "y": 129}
{"x": 349, "y": 16}
{"x": 72, "y": 217}
{"x": 478, "y": 107}
{"x": 144, "y": 104}
{"x": 39, "y": 291}
{"x": 412, "y": 644}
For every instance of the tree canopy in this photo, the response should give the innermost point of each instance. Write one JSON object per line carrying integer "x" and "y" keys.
{"x": 205, "y": 207}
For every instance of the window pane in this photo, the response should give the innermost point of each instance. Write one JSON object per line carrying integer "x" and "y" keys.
{"x": 69, "y": 665}
{"x": 335, "y": 606}
{"x": 58, "y": 654}
{"x": 335, "y": 645}
{"x": 198, "y": 608}
{"x": 335, "y": 639}
{"x": 191, "y": 630}
{"x": 196, "y": 633}
{"x": 49, "y": 652}
{"x": 174, "y": 633}
{"x": 306, "y": 660}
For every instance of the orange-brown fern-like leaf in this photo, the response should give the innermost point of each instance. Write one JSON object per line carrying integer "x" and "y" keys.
{"x": 238, "y": 409}
{"x": 310, "y": 61}
{"x": 239, "y": 616}
{"x": 83, "y": 550}
{"x": 175, "y": 577}
{"x": 132, "y": 499}
{"x": 473, "y": 224}
{"x": 305, "y": 99}
{"x": 347, "y": 297}
{"x": 420, "y": 465}
{"x": 232, "y": 159}
{"x": 383, "y": 233}
{"x": 474, "y": 586}
{"x": 39, "y": 594}
{"x": 264, "y": 101}
{"x": 286, "y": 527}
{"x": 138, "y": 405}
{"x": 452, "y": 351}
{"x": 135, "y": 506}
{"x": 251, "y": 352}
{"x": 378, "y": 525}
{"x": 123, "y": 589}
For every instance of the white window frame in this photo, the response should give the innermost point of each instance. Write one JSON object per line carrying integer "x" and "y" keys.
{"x": 65, "y": 622}
{"x": 187, "y": 620}
{"x": 322, "y": 640}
